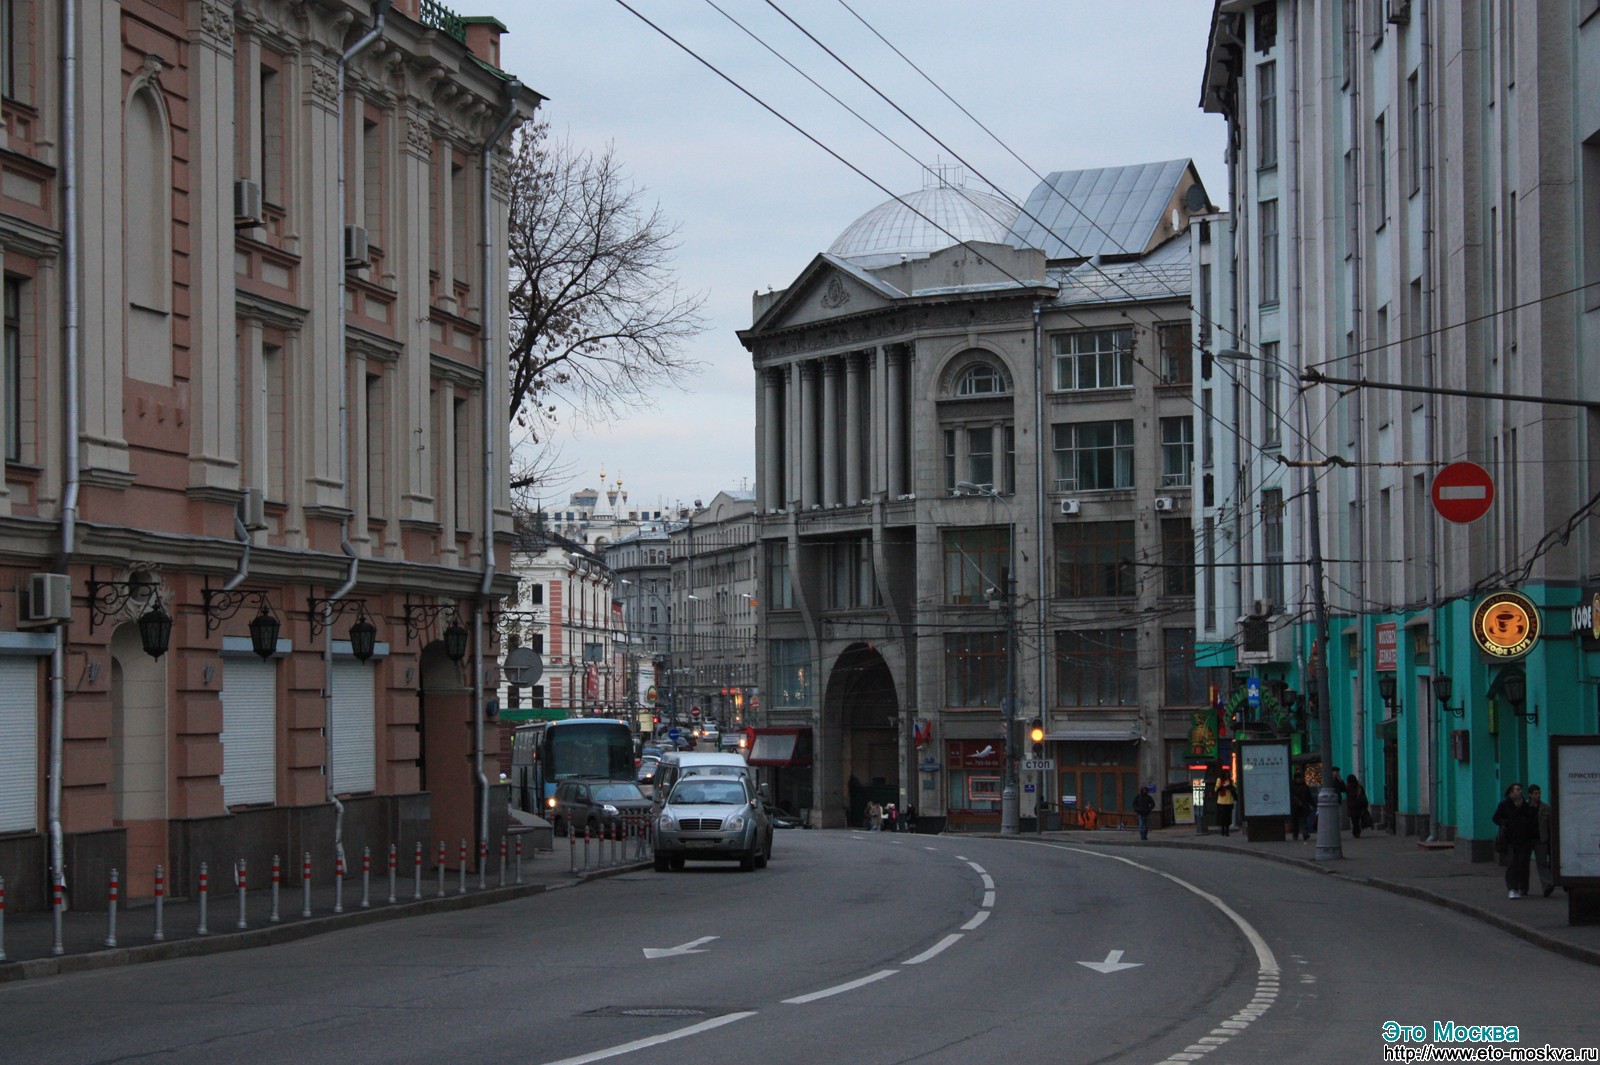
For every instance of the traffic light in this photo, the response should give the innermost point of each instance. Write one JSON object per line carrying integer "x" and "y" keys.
{"x": 1036, "y": 735}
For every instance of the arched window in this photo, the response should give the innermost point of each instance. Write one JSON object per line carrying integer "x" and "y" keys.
{"x": 980, "y": 379}
{"x": 147, "y": 229}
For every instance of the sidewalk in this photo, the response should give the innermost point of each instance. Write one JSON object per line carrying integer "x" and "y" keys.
{"x": 1398, "y": 864}
{"x": 28, "y": 939}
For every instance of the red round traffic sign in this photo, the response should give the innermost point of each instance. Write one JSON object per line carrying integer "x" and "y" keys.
{"x": 694, "y": 712}
{"x": 1462, "y": 492}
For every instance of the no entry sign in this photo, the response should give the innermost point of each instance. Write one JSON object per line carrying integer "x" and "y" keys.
{"x": 1462, "y": 492}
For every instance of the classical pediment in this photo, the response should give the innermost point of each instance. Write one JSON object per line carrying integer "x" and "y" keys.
{"x": 828, "y": 288}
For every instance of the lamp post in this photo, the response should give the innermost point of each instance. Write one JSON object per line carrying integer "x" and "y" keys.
{"x": 1329, "y": 846}
{"x": 1010, "y": 801}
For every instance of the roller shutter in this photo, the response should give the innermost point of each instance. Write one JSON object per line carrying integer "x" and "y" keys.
{"x": 249, "y": 732}
{"x": 19, "y": 744}
{"x": 354, "y": 742}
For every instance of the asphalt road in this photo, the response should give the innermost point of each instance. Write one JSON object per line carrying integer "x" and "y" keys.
{"x": 849, "y": 947}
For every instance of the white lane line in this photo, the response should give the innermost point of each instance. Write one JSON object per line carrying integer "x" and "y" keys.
{"x": 988, "y": 900}
{"x": 976, "y": 868}
{"x": 977, "y": 919}
{"x": 935, "y": 950}
{"x": 655, "y": 1040}
{"x": 839, "y": 989}
{"x": 988, "y": 882}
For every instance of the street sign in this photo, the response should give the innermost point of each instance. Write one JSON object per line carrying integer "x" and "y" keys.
{"x": 523, "y": 666}
{"x": 694, "y": 712}
{"x": 1252, "y": 692}
{"x": 674, "y": 734}
{"x": 1038, "y": 765}
{"x": 1462, "y": 492}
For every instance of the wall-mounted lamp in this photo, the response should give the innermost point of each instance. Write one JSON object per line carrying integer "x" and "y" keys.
{"x": 109, "y": 597}
{"x": 221, "y": 604}
{"x": 420, "y": 616}
{"x": 363, "y": 634}
{"x": 155, "y": 630}
{"x": 1443, "y": 688}
{"x": 1386, "y": 692}
{"x": 1514, "y": 686}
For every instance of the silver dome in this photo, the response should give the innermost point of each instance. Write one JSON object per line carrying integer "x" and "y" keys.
{"x": 895, "y": 230}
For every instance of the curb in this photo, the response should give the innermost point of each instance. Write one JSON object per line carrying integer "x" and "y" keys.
{"x": 301, "y": 928}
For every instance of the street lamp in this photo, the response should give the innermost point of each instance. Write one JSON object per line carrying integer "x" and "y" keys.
{"x": 1386, "y": 692}
{"x": 1328, "y": 842}
{"x": 1010, "y": 812}
{"x": 1443, "y": 688}
{"x": 1514, "y": 686}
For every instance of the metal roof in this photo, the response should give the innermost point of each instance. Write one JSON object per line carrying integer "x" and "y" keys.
{"x": 923, "y": 222}
{"x": 1115, "y": 210}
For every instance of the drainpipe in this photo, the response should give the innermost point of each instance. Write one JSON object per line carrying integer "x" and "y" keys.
{"x": 1041, "y": 528}
{"x": 243, "y": 535}
{"x": 380, "y": 8}
{"x": 72, "y": 372}
{"x": 1430, "y": 366}
{"x": 492, "y": 415}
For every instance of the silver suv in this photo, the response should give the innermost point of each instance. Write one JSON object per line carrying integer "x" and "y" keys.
{"x": 713, "y": 818}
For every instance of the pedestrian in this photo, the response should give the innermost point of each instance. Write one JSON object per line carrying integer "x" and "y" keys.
{"x": 1541, "y": 845}
{"x": 1356, "y": 805}
{"x": 1519, "y": 827}
{"x": 1089, "y": 818}
{"x": 891, "y": 819}
{"x": 910, "y": 819}
{"x": 1227, "y": 798}
{"x": 874, "y": 816}
{"x": 1144, "y": 805}
{"x": 1300, "y": 806}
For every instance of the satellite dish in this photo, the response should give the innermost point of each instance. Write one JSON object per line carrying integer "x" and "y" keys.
{"x": 1195, "y": 199}
{"x": 523, "y": 666}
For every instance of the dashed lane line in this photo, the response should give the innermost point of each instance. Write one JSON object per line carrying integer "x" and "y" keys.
{"x": 656, "y": 1040}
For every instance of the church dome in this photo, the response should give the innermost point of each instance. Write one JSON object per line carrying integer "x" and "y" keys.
{"x": 895, "y": 230}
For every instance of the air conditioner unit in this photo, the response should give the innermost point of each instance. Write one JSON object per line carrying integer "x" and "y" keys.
{"x": 252, "y": 509}
{"x": 49, "y": 599}
{"x": 246, "y": 204}
{"x": 1069, "y": 506}
{"x": 1262, "y": 607}
{"x": 356, "y": 252}
{"x": 1165, "y": 503}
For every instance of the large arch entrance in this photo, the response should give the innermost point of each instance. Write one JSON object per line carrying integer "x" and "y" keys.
{"x": 862, "y": 708}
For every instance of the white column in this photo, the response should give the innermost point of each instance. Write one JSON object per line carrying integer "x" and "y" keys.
{"x": 808, "y": 435}
{"x": 895, "y": 400}
{"x": 830, "y": 431}
{"x": 772, "y": 439}
{"x": 853, "y": 418}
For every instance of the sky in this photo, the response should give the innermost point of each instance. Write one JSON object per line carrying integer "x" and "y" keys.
{"x": 1060, "y": 85}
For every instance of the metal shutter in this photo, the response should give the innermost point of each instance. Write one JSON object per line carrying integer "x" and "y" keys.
{"x": 249, "y": 732}
{"x": 19, "y": 744}
{"x": 354, "y": 743}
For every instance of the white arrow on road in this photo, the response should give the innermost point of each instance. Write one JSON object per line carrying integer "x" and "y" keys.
{"x": 686, "y": 948}
{"x": 1113, "y": 963}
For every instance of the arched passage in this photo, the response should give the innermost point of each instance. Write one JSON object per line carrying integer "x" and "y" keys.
{"x": 445, "y": 702}
{"x": 861, "y": 709}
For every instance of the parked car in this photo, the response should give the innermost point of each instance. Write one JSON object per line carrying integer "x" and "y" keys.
{"x": 595, "y": 804}
{"x": 782, "y": 818}
{"x": 713, "y": 818}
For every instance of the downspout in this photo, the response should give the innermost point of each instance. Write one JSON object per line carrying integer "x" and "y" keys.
{"x": 1430, "y": 367}
{"x": 1041, "y": 521}
{"x": 72, "y": 371}
{"x": 491, "y": 423}
{"x": 380, "y": 8}
{"x": 243, "y": 535}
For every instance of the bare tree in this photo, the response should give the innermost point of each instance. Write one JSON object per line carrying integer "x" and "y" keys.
{"x": 598, "y": 323}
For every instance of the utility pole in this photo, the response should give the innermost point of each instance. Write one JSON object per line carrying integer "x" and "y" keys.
{"x": 1010, "y": 815}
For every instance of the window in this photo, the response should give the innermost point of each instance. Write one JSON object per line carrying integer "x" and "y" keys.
{"x": 1267, "y": 115}
{"x": 1177, "y": 451}
{"x": 1266, "y": 16}
{"x": 980, "y": 380}
{"x": 950, "y": 477}
{"x": 13, "y": 50}
{"x": 461, "y": 446}
{"x": 780, "y": 592}
{"x": 1271, "y": 410}
{"x": 1177, "y": 352}
{"x": 1187, "y": 683}
{"x": 377, "y": 420}
{"x": 1008, "y": 472}
{"x": 791, "y": 673}
{"x": 1269, "y": 251}
{"x": 1272, "y": 545}
{"x": 980, "y": 456}
{"x": 1207, "y": 423}
{"x": 1177, "y": 556}
{"x": 271, "y": 129}
{"x": 1097, "y": 667}
{"x": 1208, "y": 567}
{"x": 1380, "y": 176}
{"x": 14, "y": 405}
{"x": 975, "y": 561}
{"x": 974, "y": 668}
{"x": 1095, "y": 558}
{"x": 1099, "y": 359}
{"x": 372, "y": 174}
{"x": 1413, "y": 135}
{"x": 1092, "y": 455}
{"x": 850, "y": 575}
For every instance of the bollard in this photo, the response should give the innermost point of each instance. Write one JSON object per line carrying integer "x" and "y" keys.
{"x": 203, "y": 930}
{"x": 305, "y": 885}
{"x": 519, "y": 859}
{"x": 572, "y": 849}
{"x": 502, "y": 861}
{"x": 57, "y": 889}
{"x": 338, "y": 881}
{"x": 111, "y": 911}
{"x": 366, "y": 877}
{"x": 241, "y": 876}
{"x": 416, "y": 871}
{"x": 394, "y": 855}
{"x": 483, "y": 861}
{"x": 2, "y": 918}
{"x": 277, "y": 877}
{"x": 463, "y": 889}
{"x": 586, "y": 835}
{"x": 441, "y": 868}
{"x": 161, "y": 893}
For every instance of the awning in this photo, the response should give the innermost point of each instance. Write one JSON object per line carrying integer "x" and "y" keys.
{"x": 1096, "y": 734}
{"x": 779, "y": 746}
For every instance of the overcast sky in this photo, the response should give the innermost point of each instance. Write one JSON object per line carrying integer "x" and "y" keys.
{"x": 1063, "y": 84}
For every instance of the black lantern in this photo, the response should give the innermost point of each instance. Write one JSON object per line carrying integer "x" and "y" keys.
{"x": 264, "y": 629}
{"x": 1443, "y": 688}
{"x": 1386, "y": 691}
{"x": 363, "y": 638}
{"x": 1514, "y": 686}
{"x": 455, "y": 641}
{"x": 155, "y": 631}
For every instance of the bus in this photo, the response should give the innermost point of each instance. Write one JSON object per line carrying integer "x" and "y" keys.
{"x": 544, "y": 753}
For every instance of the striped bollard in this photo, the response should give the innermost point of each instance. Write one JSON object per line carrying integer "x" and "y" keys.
{"x": 366, "y": 878}
{"x": 57, "y": 890}
{"x": 277, "y": 877}
{"x": 305, "y": 885}
{"x": 241, "y": 876}
{"x": 463, "y": 888}
{"x": 111, "y": 910}
{"x": 204, "y": 886}
{"x": 2, "y": 918}
{"x": 338, "y": 881}
{"x": 416, "y": 872}
{"x": 519, "y": 859}
{"x": 572, "y": 850}
{"x": 394, "y": 856}
{"x": 441, "y": 868}
{"x": 502, "y": 861}
{"x": 161, "y": 898}
{"x": 586, "y": 835}
{"x": 483, "y": 860}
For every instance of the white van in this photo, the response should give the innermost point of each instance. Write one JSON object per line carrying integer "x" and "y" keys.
{"x": 675, "y": 765}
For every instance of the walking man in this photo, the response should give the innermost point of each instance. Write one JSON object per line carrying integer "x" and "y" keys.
{"x": 1143, "y": 805}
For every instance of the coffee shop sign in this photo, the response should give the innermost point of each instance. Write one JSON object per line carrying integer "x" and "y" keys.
{"x": 1586, "y": 618}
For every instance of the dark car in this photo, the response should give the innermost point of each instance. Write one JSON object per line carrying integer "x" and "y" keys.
{"x": 596, "y": 804}
{"x": 782, "y": 818}
{"x": 647, "y": 769}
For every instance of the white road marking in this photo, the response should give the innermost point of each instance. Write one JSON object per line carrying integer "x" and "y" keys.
{"x": 682, "y": 948}
{"x": 977, "y": 919}
{"x": 976, "y": 868}
{"x": 988, "y": 882}
{"x": 655, "y": 1040}
{"x": 840, "y": 989}
{"x": 988, "y": 900}
{"x": 1112, "y": 964}
{"x": 935, "y": 950}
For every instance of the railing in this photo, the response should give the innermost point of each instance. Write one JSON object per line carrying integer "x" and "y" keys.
{"x": 436, "y": 16}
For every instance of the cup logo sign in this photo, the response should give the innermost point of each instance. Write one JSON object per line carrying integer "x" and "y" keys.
{"x": 1506, "y": 625}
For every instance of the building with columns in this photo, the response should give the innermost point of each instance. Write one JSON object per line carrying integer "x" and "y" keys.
{"x": 969, "y": 409}
{"x": 256, "y": 445}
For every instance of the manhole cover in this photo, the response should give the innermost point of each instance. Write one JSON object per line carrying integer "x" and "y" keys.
{"x": 663, "y": 1011}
